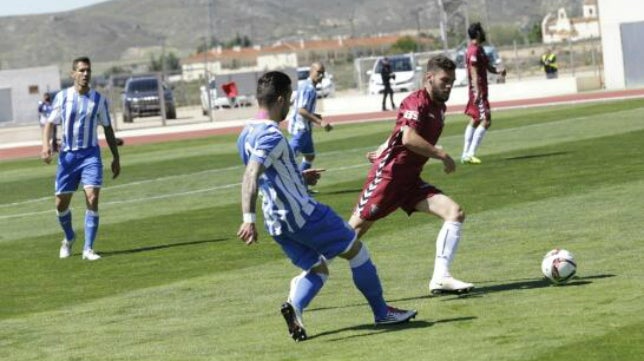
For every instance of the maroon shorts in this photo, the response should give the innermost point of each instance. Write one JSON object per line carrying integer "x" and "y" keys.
{"x": 478, "y": 111}
{"x": 382, "y": 196}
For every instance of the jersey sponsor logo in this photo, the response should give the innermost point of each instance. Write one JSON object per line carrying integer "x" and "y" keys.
{"x": 411, "y": 115}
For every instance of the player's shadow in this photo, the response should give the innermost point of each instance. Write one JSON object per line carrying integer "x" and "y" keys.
{"x": 371, "y": 329}
{"x": 541, "y": 155}
{"x": 160, "y": 247}
{"x": 527, "y": 284}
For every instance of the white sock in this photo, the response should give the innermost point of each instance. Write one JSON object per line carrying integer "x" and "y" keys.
{"x": 446, "y": 245}
{"x": 476, "y": 140}
{"x": 469, "y": 132}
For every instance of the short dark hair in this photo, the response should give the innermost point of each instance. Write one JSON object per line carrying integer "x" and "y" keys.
{"x": 270, "y": 86}
{"x": 440, "y": 62}
{"x": 474, "y": 30}
{"x": 82, "y": 59}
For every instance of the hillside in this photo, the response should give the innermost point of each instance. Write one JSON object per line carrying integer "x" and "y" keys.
{"x": 126, "y": 30}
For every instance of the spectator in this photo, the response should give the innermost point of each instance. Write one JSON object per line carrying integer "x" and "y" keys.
{"x": 387, "y": 74}
{"x": 44, "y": 110}
{"x": 549, "y": 63}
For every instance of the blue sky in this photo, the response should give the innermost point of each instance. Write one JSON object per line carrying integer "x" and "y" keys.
{"x": 28, "y": 7}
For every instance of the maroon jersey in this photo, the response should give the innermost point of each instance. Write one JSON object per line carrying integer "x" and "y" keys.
{"x": 394, "y": 179}
{"x": 418, "y": 112}
{"x": 475, "y": 57}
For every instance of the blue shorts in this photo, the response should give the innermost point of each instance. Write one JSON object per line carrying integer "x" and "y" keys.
{"x": 325, "y": 234}
{"x": 78, "y": 166}
{"x": 302, "y": 143}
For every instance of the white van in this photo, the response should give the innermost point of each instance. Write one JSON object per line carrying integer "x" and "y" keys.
{"x": 403, "y": 67}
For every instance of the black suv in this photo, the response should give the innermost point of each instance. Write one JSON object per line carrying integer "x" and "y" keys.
{"x": 141, "y": 99}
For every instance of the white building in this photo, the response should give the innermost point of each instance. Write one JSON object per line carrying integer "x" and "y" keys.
{"x": 20, "y": 91}
{"x": 557, "y": 28}
{"x": 622, "y": 26}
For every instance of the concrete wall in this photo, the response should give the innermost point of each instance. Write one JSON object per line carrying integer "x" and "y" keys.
{"x": 612, "y": 13}
{"x": 525, "y": 89}
{"x": 25, "y": 89}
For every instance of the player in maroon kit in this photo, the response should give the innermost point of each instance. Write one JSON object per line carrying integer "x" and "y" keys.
{"x": 478, "y": 107}
{"x": 394, "y": 180}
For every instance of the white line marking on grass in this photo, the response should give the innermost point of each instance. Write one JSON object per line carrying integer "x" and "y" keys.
{"x": 135, "y": 200}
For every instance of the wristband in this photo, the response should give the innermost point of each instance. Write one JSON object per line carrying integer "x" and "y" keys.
{"x": 249, "y": 218}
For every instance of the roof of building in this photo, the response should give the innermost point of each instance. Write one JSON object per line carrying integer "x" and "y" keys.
{"x": 290, "y": 47}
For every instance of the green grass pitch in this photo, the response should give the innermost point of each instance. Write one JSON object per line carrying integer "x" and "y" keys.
{"x": 176, "y": 284}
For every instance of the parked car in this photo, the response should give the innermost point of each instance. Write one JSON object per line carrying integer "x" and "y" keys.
{"x": 219, "y": 102}
{"x": 461, "y": 68}
{"x": 141, "y": 99}
{"x": 403, "y": 67}
{"x": 324, "y": 89}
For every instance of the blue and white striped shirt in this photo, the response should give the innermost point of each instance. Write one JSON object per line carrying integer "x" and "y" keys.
{"x": 79, "y": 115}
{"x": 285, "y": 201}
{"x": 306, "y": 98}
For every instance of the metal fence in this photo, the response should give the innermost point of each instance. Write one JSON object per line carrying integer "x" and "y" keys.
{"x": 520, "y": 60}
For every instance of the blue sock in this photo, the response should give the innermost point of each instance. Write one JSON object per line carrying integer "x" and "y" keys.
{"x": 306, "y": 287}
{"x": 91, "y": 228}
{"x": 305, "y": 165}
{"x": 365, "y": 277}
{"x": 65, "y": 220}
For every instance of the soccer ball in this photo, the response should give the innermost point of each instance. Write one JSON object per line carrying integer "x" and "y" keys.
{"x": 559, "y": 266}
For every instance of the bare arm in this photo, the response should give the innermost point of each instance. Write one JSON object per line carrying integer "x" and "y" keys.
{"x": 247, "y": 231}
{"x": 417, "y": 144}
{"x": 492, "y": 69}
{"x": 111, "y": 142}
{"x": 315, "y": 118}
{"x": 46, "y": 152}
{"x": 374, "y": 154}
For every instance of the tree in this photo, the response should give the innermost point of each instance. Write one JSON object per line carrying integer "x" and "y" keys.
{"x": 405, "y": 44}
{"x": 535, "y": 35}
{"x": 116, "y": 70}
{"x": 241, "y": 41}
{"x": 171, "y": 61}
{"x": 202, "y": 47}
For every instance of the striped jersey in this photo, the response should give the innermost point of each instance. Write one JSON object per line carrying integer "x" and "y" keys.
{"x": 286, "y": 203}
{"x": 79, "y": 115}
{"x": 306, "y": 98}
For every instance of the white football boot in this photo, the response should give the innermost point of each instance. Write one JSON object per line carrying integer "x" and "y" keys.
{"x": 449, "y": 284}
{"x": 65, "y": 248}
{"x": 89, "y": 255}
